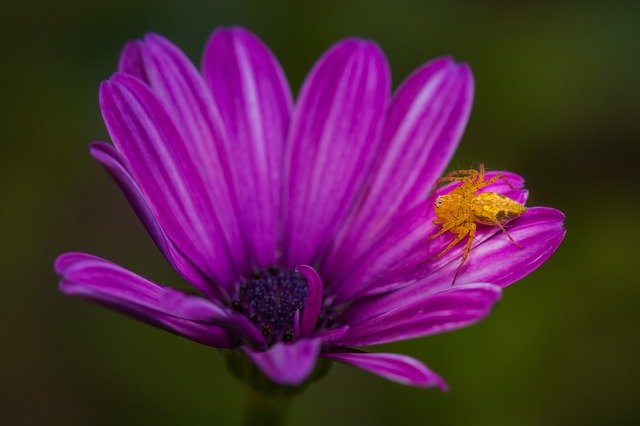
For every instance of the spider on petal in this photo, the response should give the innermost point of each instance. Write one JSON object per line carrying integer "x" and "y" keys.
{"x": 460, "y": 210}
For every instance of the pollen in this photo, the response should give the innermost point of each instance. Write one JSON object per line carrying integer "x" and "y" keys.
{"x": 463, "y": 208}
{"x": 270, "y": 299}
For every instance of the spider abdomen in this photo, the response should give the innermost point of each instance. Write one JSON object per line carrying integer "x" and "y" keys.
{"x": 490, "y": 207}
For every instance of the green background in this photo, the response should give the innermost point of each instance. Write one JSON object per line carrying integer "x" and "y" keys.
{"x": 556, "y": 101}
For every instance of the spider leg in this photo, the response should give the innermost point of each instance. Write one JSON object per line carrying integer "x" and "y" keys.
{"x": 460, "y": 175}
{"x": 455, "y": 241}
{"x": 451, "y": 179}
{"x": 504, "y": 231}
{"x": 446, "y": 227}
{"x": 496, "y": 178}
{"x": 462, "y": 172}
{"x": 489, "y": 181}
{"x": 481, "y": 173}
{"x": 467, "y": 249}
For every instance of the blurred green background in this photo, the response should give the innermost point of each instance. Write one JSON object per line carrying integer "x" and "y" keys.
{"x": 557, "y": 101}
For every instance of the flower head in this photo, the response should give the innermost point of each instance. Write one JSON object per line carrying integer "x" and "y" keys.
{"x": 304, "y": 227}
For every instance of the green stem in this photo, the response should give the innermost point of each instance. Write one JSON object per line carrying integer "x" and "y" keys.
{"x": 265, "y": 410}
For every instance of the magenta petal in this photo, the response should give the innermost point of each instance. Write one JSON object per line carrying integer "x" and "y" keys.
{"x": 540, "y": 231}
{"x": 287, "y": 364}
{"x": 422, "y": 315}
{"x": 114, "y": 163}
{"x": 397, "y": 368}
{"x": 334, "y": 134}
{"x": 190, "y": 307}
{"x": 130, "y": 61}
{"x": 196, "y": 308}
{"x": 314, "y": 299}
{"x": 254, "y": 100}
{"x": 330, "y": 336}
{"x": 425, "y": 123}
{"x": 178, "y": 84}
{"x": 403, "y": 252}
{"x": 98, "y": 280}
{"x": 168, "y": 173}
{"x": 296, "y": 324}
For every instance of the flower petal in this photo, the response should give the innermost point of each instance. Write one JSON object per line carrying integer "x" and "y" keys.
{"x": 254, "y": 100}
{"x": 314, "y": 299}
{"x": 111, "y": 159}
{"x": 397, "y": 368}
{"x": 331, "y": 335}
{"x": 334, "y": 135}
{"x": 196, "y": 308}
{"x": 98, "y": 280}
{"x": 287, "y": 364}
{"x": 423, "y": 315}
{"x": 168, "y": 171}
{"x": 497, "y": 260}
{"x": 180, "y": 87}
{"x": 403, "y": 252}
{"x": 539, "y": 231}
{"x": 130, "y": 61}
{"x": 425, "y": 123}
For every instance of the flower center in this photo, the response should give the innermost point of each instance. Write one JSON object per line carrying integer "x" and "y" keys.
{"x": 270, "y": 300}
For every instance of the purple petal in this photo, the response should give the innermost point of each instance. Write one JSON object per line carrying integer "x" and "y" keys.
{"x": 196, "y": 308}
{"x": 296, "y": 324}
{"x": 497, "y": 260}
{"x": 334, "y": 134}
{"x": 100, "y": 281}
{"x": 397, "y": 368}
{"x": 403, "y": 252}
{"x": 115, "y": 165}
{"x": 168, "y": 172}
{"x": 425, "y": 123}
{"x": 539, "y": 231}
{"x": 423, "y": 315}
{"x": 182, "y": 90}
{"x": 254, "y": 100}
{"x": 287, "y": 364}
{"x": 314, "y": 299}
{"x": 330, "y": 336}
{"x": 131, "y": 60}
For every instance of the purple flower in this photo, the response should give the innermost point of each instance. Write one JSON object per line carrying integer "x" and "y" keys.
{"x": 303, "y": 227}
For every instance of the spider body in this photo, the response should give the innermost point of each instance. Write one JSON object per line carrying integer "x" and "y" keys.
{"x": 463, "y": 208}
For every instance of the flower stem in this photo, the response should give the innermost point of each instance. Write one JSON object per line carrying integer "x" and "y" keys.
{"x": 265, "y": 410}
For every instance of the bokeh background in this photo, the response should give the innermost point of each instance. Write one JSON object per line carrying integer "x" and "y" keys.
{"x": 557, "y": 101}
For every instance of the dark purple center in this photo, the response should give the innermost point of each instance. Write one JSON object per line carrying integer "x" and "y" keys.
{"x": 270, "y": 300}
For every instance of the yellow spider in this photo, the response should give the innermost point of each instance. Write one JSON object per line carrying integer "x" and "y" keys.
{"x": 461, "y": 209}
